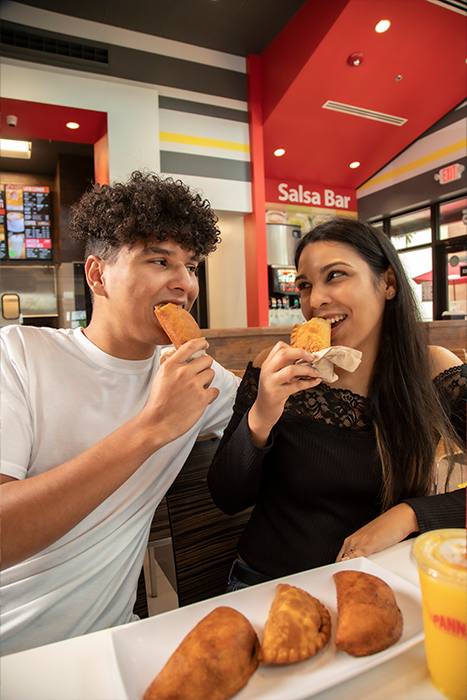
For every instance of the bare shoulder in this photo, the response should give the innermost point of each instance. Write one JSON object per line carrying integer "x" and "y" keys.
{"x": 442, "y": 359}
{"x": 263, "y": 355}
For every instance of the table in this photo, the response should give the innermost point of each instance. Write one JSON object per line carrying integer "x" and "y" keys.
{"x": 80, "y": 668}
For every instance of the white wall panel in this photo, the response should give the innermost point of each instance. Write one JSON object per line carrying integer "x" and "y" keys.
{"x": 226, "y": 275}
{"x": 132, "y": 110}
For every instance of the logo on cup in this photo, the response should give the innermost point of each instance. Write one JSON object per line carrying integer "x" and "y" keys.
{"x": 15, "y": 221}
{"x": 454, "y": 627}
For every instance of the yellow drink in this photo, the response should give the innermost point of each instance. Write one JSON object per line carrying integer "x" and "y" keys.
{"x": 442, "y": 567}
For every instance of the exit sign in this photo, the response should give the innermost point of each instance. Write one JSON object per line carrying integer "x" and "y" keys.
{"x": 450, "y": 173}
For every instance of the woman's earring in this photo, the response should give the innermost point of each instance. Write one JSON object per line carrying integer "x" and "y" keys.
{"x": 390, "y": 295}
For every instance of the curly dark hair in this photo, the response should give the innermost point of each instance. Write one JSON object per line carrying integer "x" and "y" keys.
{"x": 146, "y": 207}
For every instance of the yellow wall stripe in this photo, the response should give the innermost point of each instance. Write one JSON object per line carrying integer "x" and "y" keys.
{"x": 199, "y": 141}
{"x": 415, "y": 164}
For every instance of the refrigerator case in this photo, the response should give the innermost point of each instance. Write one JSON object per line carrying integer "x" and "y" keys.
{"x": 284, "y": 298}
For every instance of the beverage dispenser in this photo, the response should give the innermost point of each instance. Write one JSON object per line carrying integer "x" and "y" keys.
{"x": 284, "y": 298}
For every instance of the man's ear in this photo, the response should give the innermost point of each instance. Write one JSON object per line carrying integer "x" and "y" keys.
{"x": 391, "y": 283}
{"x": 94, "y": 270}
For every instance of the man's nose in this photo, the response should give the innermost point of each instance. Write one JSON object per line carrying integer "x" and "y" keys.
{"x": 182, "y": 279}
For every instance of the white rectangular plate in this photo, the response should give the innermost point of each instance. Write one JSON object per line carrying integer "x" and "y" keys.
{"x": 142, "y": 648}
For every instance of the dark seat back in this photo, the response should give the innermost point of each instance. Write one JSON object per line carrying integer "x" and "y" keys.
{"x": 204, "y": 538}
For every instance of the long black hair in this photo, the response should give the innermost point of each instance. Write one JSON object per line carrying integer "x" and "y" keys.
{"x": 404, "y": 404}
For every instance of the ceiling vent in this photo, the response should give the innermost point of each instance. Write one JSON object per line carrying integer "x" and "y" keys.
{"x": 365, "y": 113}
{"x": 24, "y": 40}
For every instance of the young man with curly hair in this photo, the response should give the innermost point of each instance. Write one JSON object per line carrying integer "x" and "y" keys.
{"x": 93, "y": 430}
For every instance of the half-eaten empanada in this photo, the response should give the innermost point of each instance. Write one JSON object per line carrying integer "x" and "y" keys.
{"x": 298, "y": 627}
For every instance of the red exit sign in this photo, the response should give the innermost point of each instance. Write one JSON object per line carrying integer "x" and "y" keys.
{"x": 450, "y": 173}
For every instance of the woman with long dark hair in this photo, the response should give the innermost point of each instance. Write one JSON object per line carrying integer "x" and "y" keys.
{"x": 342, "y": 470}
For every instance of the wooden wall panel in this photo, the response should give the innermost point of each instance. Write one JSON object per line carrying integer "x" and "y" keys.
{"x": 235, "y": 347}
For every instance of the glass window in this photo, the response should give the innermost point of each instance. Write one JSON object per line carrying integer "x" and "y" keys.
{"x": 453, "y": 219}
{"x": 457, "y": 283}
{"x": 418, "y": 266}
{"x": 411, "y": 230}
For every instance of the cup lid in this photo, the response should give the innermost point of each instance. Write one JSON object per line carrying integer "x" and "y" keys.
{"x": 442, "y": 553}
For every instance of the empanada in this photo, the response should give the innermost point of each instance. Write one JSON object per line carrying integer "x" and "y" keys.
{"x": 178, "y": 323}
{"x": 213, "y": 662}
{"x": 369, "y": 618}
{"x": 314, "y": 335}
{"x": 298, "y": 627}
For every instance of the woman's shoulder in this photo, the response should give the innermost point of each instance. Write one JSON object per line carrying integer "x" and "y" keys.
{"x": 442, "y": 359}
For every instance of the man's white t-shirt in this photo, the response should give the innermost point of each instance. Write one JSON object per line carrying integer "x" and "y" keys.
{"x": 60, "y": 395}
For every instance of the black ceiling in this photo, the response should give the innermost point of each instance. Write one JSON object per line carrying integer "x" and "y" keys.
{"x": 238, "y": 27}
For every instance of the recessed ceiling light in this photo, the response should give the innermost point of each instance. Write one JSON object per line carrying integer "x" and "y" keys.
{"x": 279, "y": 152}
{"x": 72, "y": 125}
{"x": 355, "y": 164}
{"x": 382, "y": 26}
{"x": 15, "y": 149}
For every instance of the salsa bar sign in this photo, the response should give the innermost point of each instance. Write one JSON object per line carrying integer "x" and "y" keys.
{"x": 310, "y": 195}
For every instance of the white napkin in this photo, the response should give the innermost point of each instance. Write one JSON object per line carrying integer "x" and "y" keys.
{"x": 339, "y": 355}
{"x": 169, "y": 350}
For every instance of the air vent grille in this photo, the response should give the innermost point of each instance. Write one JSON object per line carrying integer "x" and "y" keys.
{"x": 365, "y": 113}
{"x": 49, "y": 45}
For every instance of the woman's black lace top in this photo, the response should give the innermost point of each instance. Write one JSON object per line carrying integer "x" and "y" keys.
{"x": 319, "y": 477}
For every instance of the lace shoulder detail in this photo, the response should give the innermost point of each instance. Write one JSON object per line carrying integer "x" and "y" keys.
{"x": 335, "y": 408}
{"x": 452, "y": 385}
{"x": 452, "y": 380}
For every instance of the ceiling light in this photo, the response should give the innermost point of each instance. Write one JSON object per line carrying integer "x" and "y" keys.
{"x": 382, "y": 26}
{"x": 72, "y": 125}
{"x": 355, "y": 59}
{"x": 355, "y": 164}
{"x": 279, "y": 152}
{"x": 15, "y": 149}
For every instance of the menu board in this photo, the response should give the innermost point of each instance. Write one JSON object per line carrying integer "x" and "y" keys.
{"x": 25, "y": 227}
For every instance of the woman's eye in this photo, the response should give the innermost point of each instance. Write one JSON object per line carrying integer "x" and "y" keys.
{"x": 303, "y": 285}
{"x": 335, "y": 273}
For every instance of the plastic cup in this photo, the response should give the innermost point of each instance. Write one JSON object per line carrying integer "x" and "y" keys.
{"x": 442, "y": 567}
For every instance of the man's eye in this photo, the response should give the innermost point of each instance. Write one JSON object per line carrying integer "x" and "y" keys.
{"x": 193, "y": 269}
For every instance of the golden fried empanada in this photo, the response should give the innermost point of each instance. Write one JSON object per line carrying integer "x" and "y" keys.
{"x": 298, "y": 627}
{"x": 213, "y": 662}
{"x": 178, "y": 323}
{"x": 314, "y": 335}
{"x": 369, "y": 618}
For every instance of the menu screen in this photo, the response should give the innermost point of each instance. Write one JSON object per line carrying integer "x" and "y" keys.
{"x": 25, "y": 229}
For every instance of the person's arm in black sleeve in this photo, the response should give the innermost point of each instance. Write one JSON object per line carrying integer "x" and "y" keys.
{"x": 235, "y": 475}
{"x": 440, "y": 511}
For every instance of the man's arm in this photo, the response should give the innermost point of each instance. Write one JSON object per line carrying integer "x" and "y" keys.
{"x": 38, "y": 511}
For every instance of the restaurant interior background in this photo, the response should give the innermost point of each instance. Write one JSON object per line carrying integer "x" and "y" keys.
{"x": 372, "y": 124}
